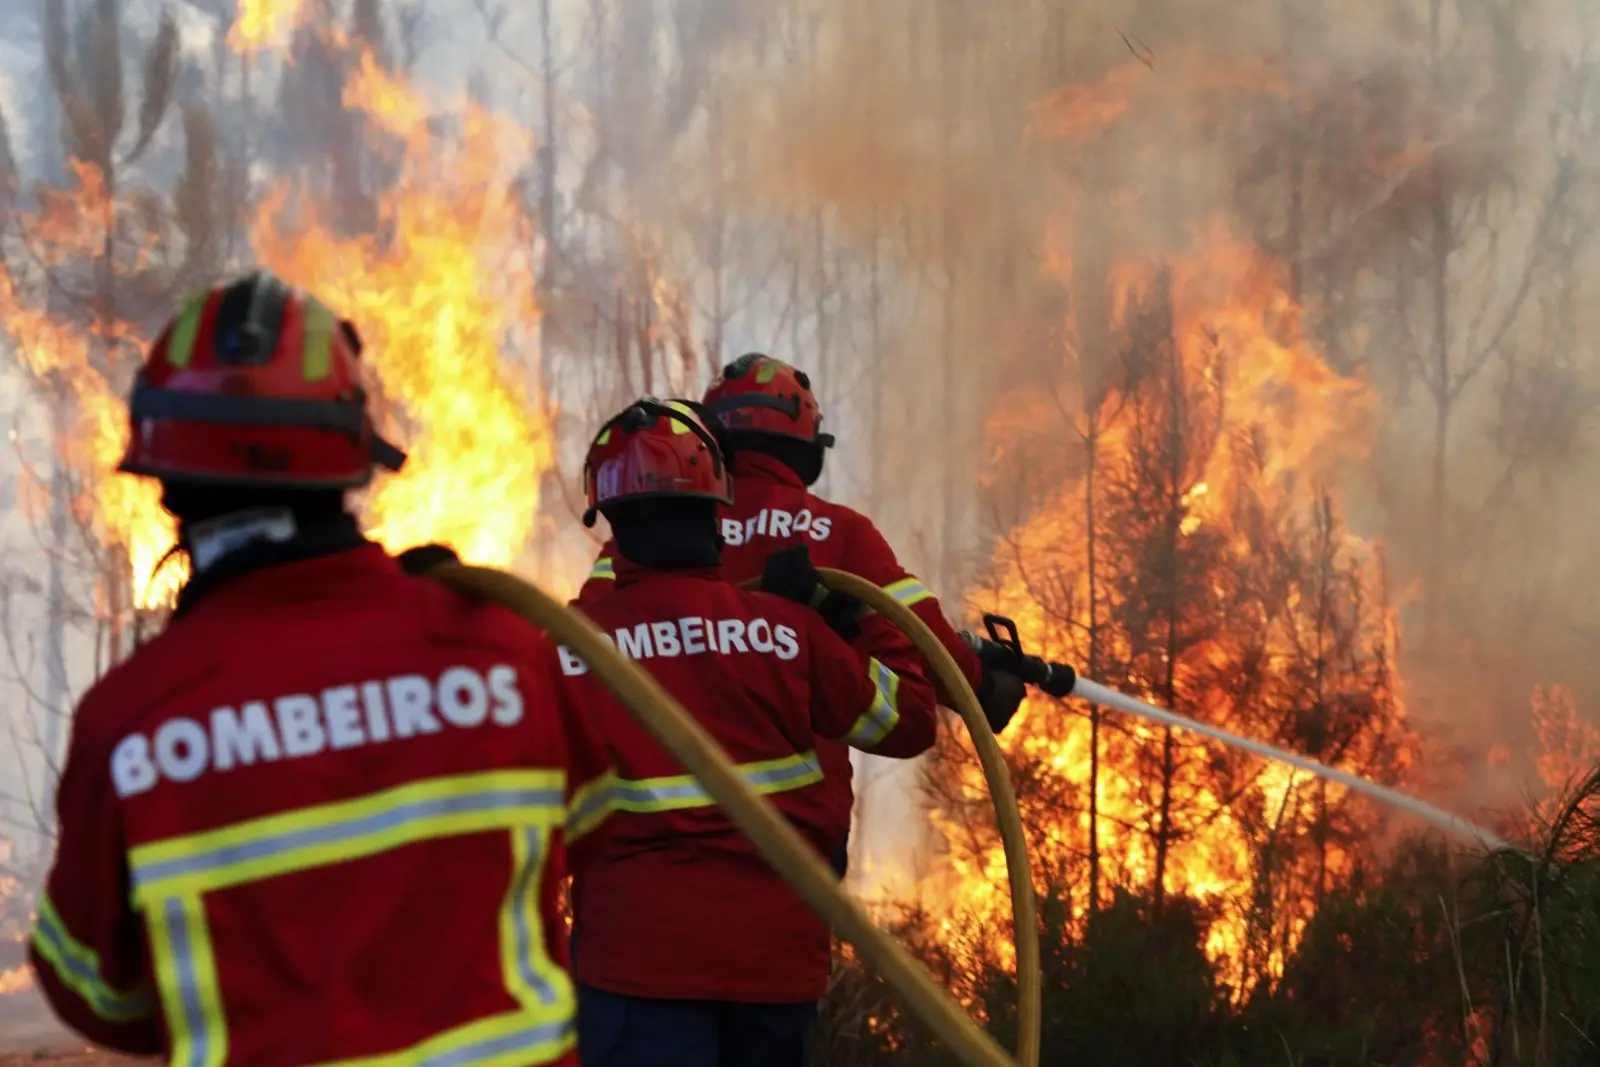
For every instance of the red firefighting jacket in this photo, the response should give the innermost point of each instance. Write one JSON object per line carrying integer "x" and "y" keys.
{"x": 677, "y": 904}
{"x": 773, "y": 510}
{"x": 325, "y": 816}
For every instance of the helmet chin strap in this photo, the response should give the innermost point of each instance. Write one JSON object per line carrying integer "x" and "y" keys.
{"x": 213, "y": 540}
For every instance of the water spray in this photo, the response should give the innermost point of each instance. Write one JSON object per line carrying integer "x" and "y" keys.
{"x": 1059, "y": 680}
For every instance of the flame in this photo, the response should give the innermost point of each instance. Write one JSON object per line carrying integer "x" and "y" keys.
{"x": 1210, "y": 410}
{"x": 1568, "y": 744}
{"x": 439, "y": 298}
{"x": 16, "y": 980}
{"x": 263, "y": 22}
{"x": 15, "y": 919}
{"x": 86, "y": 360}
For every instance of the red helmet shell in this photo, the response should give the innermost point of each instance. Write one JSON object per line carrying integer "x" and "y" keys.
{"x": 255, "y": 383}
{"x": 655, "y": 450}
{"x": 759, "y": 394}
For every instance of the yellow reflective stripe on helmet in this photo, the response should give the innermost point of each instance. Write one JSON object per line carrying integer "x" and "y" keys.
{"x": 180, "y": 345}
{"x": 186, "y": 968}
{"x": 678, "y": 426}
{"x": 884, "y": 714}
{"x": 591, "y": 803}
{"x": 530, "y": 975}
{"x": 511, "y": 1040}
{"x": 604, "y": 569}
{"x": 648, "y": 795}
{"x": 78, "y": 968}
{"x": 332, "y": 833}
{"x": 316, "y": 341}
{"x": 909, "y": 591}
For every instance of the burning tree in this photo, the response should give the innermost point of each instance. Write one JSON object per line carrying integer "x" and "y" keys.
{"x": 1179, "y": 537}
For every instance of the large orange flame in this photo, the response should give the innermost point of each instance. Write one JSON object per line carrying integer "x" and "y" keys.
{"x": 440, "y": 297}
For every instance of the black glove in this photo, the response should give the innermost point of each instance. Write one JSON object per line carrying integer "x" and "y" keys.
{"x": 789, "y": 573}
{"x": 1000, "y": 696}
{"x": 423, "y": 558}
{"x": 992, "y": 654}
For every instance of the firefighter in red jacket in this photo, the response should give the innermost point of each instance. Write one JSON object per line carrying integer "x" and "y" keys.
{"x": 689, "y": 950}
{"x": 326, "y": 815}
{"x": 774, "y": 425}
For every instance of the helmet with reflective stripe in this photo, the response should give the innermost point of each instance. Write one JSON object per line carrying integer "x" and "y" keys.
{"x": 255, "y": 383}
{"x": 655, "y": 450}
{"x": 761, "y": 395}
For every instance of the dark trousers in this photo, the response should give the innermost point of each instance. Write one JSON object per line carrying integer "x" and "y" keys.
{"x": 622, "y": 1031}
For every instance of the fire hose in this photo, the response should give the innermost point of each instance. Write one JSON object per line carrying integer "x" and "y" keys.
{"x": 778, "y": 842}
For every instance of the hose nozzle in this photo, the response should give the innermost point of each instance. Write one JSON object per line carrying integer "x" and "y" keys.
{"x": 1053, "y": 679}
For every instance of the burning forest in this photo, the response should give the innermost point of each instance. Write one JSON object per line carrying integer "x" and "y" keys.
{"x": 1246, "y": 369}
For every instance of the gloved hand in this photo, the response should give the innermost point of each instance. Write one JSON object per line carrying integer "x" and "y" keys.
{"x": 1000, "y": 696}
{"x": 992, "y": 654}
{"x": 423, "y": 558}
{"x": 789, "y": 573}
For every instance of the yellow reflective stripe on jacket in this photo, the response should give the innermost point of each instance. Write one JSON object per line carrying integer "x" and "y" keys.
{"x": 511, "y": 1040}
{"x": 78, "y": 967}
{"x": 186, "y": 968}
{"x": 591, "y": 803}
{"x": 909, "y": 591}
{"x": 331, "y": 833}
{"x": 646, "y": 795}
{"x": 530, "y": 975}
{"x": 604, "y": 569}
{"x": 881, "y": 718}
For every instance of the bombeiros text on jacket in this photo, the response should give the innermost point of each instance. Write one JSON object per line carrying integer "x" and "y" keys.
{"x": 693, "y": 636}
{"x": 302, "y": 724}
{"x": 776, "y": 523}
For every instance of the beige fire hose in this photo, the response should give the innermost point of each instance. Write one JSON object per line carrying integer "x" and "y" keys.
{"x": 770, "y": 832}
{"x": 1024, "y": 922}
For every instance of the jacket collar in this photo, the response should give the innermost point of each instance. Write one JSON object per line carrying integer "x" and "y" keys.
{"x": 294, "y": 578}
{"x": 758, "y": 466}
{"x": 630, "y": 573}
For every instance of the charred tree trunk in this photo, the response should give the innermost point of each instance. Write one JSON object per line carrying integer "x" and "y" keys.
{"x": 1091, "y": 447}
{"x": 1169, "y": 559}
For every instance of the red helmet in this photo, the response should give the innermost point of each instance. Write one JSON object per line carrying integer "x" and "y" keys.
{"x": 255, "y": 383}
{"x": 759, "y": 394}
{"x": 655, "y": 450}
